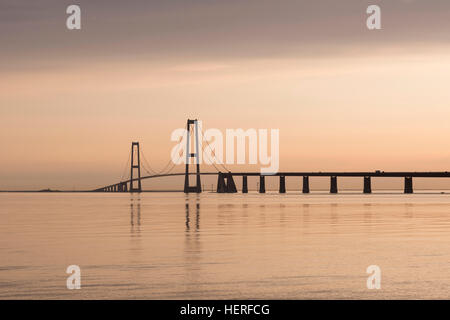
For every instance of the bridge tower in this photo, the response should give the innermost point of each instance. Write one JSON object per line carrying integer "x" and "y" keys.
{"x": 198, "y": 187}
{"x": 135, "y": 146}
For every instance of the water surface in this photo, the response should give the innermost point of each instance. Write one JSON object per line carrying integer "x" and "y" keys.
{"x": 221, "y": 246}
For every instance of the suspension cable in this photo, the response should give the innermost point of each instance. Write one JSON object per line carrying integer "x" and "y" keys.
{"x": 165, "y": 170}
{"x": 179, "y": 156}
{"x": 168, "y": 167}
{"x": 214, "y": 155}
{"x": 149, "y": 167}
{"x": 126, "y": 168}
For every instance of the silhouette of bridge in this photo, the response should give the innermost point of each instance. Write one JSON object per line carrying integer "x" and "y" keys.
{"x": 225, "y": 180}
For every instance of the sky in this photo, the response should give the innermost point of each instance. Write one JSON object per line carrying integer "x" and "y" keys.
{"x": 343, "y": 97}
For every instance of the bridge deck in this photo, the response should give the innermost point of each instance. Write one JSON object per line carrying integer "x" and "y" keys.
{"x": 393, "y": 174}
{"x": 349, "y": 174}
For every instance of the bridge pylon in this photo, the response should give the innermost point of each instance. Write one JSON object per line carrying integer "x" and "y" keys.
{"x": 198, "y": 187}
{"x": 135, "y": 146}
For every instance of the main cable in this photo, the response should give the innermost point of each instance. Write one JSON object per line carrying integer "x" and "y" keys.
{"x": 126, "y": 168}
{"x": 214, "y": 155}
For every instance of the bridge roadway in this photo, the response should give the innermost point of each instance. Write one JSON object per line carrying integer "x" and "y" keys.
{"x": 399, "y": 174}
{"x": 408, "y": 175}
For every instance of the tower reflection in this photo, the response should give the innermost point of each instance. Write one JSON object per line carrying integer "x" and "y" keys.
{"x": 192, "y": 245}
{"x": 135, "y": 214}
{"x": 188, "y": 209}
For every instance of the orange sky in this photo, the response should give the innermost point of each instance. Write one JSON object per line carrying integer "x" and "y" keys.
{"x": 343, "y": 97}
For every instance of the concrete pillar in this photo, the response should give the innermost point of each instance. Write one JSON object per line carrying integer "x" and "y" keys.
{"x": 409, "y": 185}
{"x": 221, "y": 186}
{"x": 244, "y": 184}
{"x": 231, "y": 186}
{"x": 282, "y": 184}
{"x": 262, "y": 184}
{"x": 333, "y": 185}
{"x": 367, "y": 185}
{"x": 305, "y": 184}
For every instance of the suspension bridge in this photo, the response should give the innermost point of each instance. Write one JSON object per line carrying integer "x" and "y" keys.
{"x": 225, "y": 178}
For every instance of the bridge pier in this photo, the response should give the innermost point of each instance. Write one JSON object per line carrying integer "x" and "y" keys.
{"x": 282, "y": 184}
{"x": 262, "y": 184}
{"x": 231, "y": 186}
{"x": 305, "y": 184}
{"x": 409, "y": 185}
{"x": 333, "y": 184}
{"x": 225, "y": 183}
{"x": 244, "y": 184}
{"x": 221, "y": 186}
{"x": 367, "y": 185}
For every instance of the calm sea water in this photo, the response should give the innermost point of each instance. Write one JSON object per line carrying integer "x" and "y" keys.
{"x": 169, "y": 245}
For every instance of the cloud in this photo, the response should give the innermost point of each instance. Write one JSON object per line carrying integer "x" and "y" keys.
{"x": 33, "y": 34}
